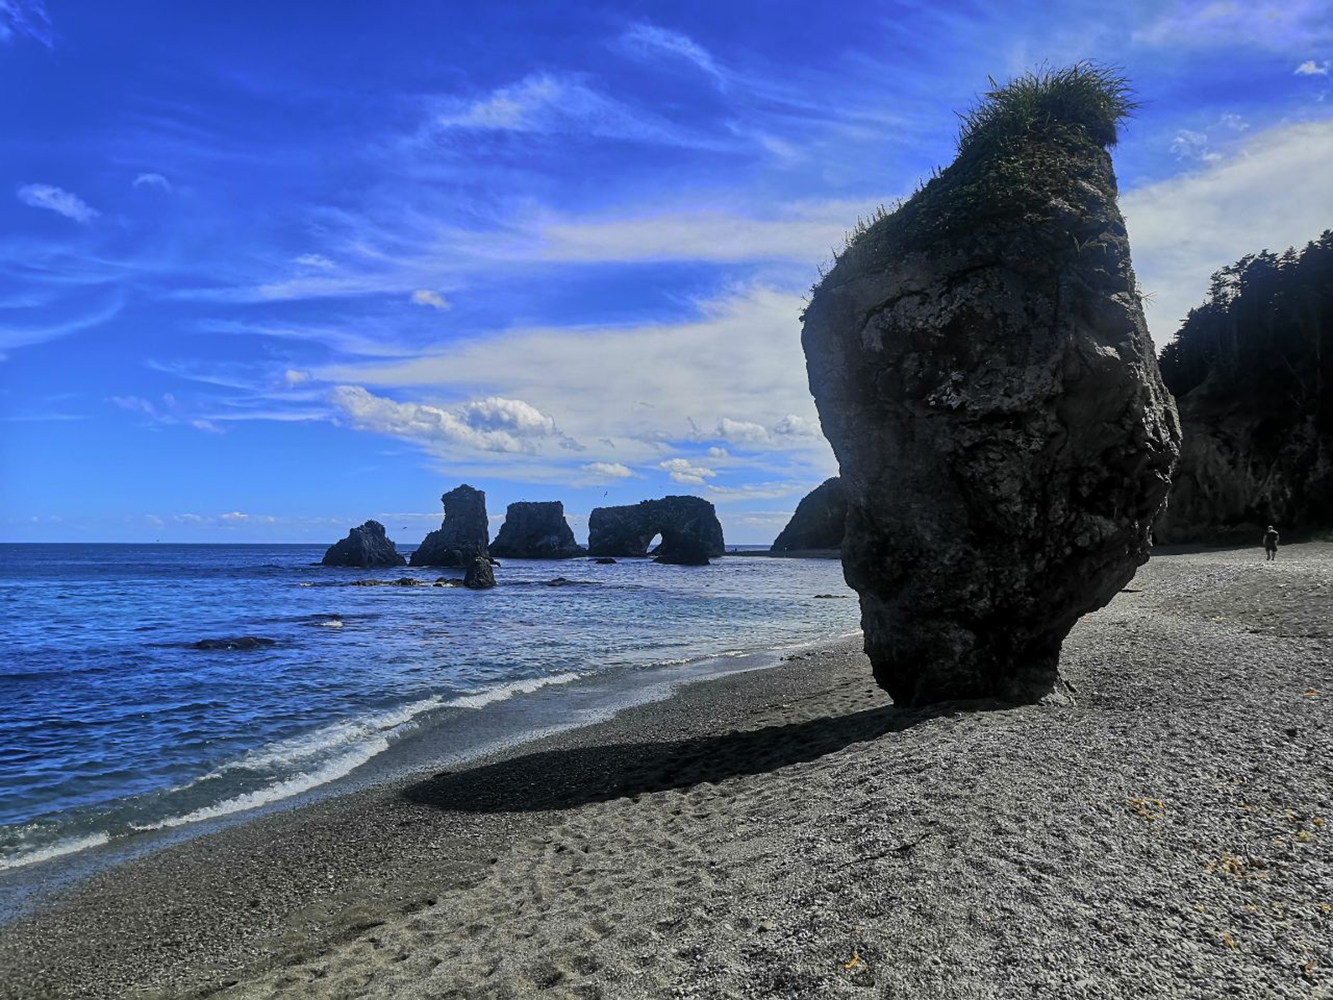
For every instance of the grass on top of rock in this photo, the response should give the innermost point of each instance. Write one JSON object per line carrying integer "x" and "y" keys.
{"x": 1084, "y": 101}
{"x": 1023, "y": 147}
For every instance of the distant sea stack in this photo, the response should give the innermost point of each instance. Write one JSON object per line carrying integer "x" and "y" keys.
{"x": 366, "y": 547}
{"x": 1252, "y": 372}
{"x": 819, "y": 521}
{"x": 464, "y": 533}
{"x": 983, "y": 371}
{"x": 691, "y": 533}
{"x": 536, "y": 531}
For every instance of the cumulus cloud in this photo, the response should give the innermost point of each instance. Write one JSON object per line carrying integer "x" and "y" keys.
{"x": 153, "y": 180}
{"x": 684, "y": 471}
{"x": 1271, "y": 192}
{"x": 674, "y": 382}
{"x": 425, "y": 297}
{"x": 1312, "y": 68}
{"x": 294, "y": 376}
{"x": 58, "y": 200}
{"x": 493, "y": 424}
{"x": 608, "y": 470}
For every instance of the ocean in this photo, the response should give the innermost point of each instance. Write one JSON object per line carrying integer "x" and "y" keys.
{"x": 113, "y": 725}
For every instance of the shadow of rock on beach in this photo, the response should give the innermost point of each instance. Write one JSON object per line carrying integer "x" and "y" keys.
{"x": 577, "y": 776}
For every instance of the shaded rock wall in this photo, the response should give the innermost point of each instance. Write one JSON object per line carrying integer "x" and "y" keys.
{"x": 464, "y": 533}
{"x": 983, "y": 371}
{"x": 366, "y": 546}
{"x": 536, "y": 531}
{"x": 688, "y": 526}
{"x": 819, "y": 521}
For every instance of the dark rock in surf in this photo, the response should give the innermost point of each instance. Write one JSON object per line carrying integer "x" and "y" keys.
{"x": 983, "y": 371}
{"x": 535, "y": 530}
{"x": 463, "y": 534}
{"x": 366, "y": 547}
{"x": 689, "y": 528}
{"x": 243, "y": 642}
{"x": 605, "y": 561}
{"x": 479, "y": 575}
{"x": 819, "y": 521}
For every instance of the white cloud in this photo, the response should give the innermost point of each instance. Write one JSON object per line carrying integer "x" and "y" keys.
{"x": 1272, "y": 192}
{"x": 153, "y": 180}
{"x": 796, "y": 426}
{"x": 48, "y": 196}
{"x": 1281, "y": 26}
{"x": 317, "y": 260}
{"x": 1312, "y": 68}
{"x": 546, "y": 103}
{"x": 608, "y": 470}
{"x": 684, "y": 471}
{"x": 718, "y": 453}
{"x": 493, "y": 424}
{"x": 631, "y": 394}
{"x": 19, "y": 18}
{"x": 293, "y": 376}
{"x": 800, "y": 232}
{"x": 1191, "y": 145}
{"x": 649, "y": 39}
{"x": 754, "y": 491}
{"x": 425, "y": 297}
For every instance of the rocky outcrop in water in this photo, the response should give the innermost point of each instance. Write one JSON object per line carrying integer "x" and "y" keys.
{"x": 819, "y": 521}
{"x": 245, "y": 642}
{"x": 1252, "y": 371}
{"x": 464, "y": 533}
{"x": 366, "y": 547}
{"x": 984, "y": 373}
{"x": 536, "y": 531}
{"x": 689, "y": 528}
{"x": 479, "y": 575}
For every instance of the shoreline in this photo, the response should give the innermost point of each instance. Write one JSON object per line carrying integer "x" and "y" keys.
{"x": 1167, "y": 835}
{"x": 468, "y": 733}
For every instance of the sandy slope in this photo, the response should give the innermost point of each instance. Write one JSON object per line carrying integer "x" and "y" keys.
{"x": 790, "y": 834}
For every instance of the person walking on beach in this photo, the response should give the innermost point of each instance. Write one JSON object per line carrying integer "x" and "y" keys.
{"x": 1270, "y": 543}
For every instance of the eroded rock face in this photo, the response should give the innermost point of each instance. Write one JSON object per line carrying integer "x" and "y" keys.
{"x": 479, "y": 575}
{"x": 536, "y": 531}
{"x": 464, "y": 533}
{"x": 983, "y": 370}
{"x": 366, "y": 547}
{"x": 819, "y": 520}
{"x": 688, "y": 525}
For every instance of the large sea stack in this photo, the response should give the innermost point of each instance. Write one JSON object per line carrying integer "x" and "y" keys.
{"x": 536, "y": 531}
{"x": 691, "y": 533}
{"x": 819, "y": 521}
{"x": 462, "y": 536}
{"x": 366, "y": 547}
{"x": 982, "y": 368}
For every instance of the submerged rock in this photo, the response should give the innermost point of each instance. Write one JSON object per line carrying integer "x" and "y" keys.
{"x": 534, "y": 530}
{"x": 819, "y": 521}
{"x": 242, "y": 642}
{"x": 366, "y": 547}
{"x": 463, "y": 534}
{"x": 479, "y": 575}
{"x": 984, "y": 373}
{"x": 605, "y": 561}
{"x": 688, "y": 526}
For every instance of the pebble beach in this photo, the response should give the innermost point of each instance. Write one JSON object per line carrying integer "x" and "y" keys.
{"x": 788, "y": 832}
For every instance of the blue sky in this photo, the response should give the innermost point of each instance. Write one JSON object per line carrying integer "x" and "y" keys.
{"x": 269, "y": 269}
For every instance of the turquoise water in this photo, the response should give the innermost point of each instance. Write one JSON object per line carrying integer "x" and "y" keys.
{"x": 111, "y": 722}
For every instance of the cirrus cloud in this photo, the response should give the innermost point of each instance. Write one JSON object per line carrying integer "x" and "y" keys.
{"x": 57, "y": 200}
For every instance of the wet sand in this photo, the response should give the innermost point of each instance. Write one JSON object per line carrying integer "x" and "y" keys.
{"x": 789, "y": 833}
